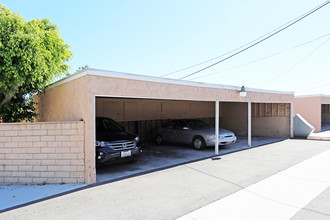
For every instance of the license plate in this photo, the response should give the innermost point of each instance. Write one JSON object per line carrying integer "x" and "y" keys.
{"x": 126, "y": 153}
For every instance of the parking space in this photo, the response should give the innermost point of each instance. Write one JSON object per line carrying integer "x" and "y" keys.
{"x": 325, "y": 127}
{"x": 146, "y": 117}
{"x": 325, "y": 117}
{"x": 155, "y": 157}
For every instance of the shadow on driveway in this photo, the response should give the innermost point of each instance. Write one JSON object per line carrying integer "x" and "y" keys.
{"x": 156, "y": 157}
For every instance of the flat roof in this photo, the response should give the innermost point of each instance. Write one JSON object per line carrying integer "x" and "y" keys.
{"x": 311, "y": 96}
{"x": 113, "y": 74}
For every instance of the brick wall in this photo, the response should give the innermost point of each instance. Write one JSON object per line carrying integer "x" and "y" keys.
{"x": 42, "y": 152}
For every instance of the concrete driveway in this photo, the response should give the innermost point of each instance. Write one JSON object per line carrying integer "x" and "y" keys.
{"x": 156, "y": 157}
{"x": 323, "y": 135}
{"x": 174, "y": 192}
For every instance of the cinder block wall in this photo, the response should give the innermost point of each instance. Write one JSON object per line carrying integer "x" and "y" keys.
{"x": 42, "y": 152}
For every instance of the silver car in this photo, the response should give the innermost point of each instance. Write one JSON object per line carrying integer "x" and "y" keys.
{"x": 193, "y": 131}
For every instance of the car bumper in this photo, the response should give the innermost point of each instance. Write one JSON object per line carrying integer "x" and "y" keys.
{"x": 223, "y": 141}
{"x": 103, "y": 155}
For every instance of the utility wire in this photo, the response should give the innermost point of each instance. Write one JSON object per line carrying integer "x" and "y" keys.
{"x": 263, "y": 58}
{"x": 263, "y": 39}
{"x": 323, "y": 85}
{"x": 206, "y": 61}
{"x": 301, "y": 88}
{"x": 295, "y": 65}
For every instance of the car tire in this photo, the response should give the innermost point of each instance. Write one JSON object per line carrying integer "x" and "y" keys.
{"x": 198, "y": 143}
{"x": 159, "y": 139}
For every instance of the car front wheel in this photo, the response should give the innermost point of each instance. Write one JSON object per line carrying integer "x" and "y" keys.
{"x": 198, "y": 143}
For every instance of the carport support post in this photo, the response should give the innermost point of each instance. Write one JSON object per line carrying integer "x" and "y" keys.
{"x": 291, "y": 119}
{"x": 249, "y": 124}
{"x": 216, "y": 145}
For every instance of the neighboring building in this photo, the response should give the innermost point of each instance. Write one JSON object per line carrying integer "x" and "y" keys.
{"x": 315, "y": 109}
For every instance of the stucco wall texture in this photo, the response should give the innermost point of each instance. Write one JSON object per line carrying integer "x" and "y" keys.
{"x": 74, "y": 99}
{"x": 38, "y": 153}
{"x": 310, "y": 108}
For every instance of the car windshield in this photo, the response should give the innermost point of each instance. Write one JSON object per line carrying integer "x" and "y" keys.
{"x": 106, "y": 124}
{"x": 197, "y": 124}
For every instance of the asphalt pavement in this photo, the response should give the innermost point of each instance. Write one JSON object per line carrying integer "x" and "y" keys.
{"x": 175, "y": 192}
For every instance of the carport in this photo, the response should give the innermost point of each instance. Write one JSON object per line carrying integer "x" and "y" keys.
{"x": 142, "y": 102}
{"x": 144, "y": 116}
{"x": 315, "y": 109}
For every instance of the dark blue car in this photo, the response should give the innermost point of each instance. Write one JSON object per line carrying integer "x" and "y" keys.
{"x": 113, "y": 143}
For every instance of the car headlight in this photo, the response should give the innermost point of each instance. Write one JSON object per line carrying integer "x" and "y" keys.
{"x": 102, "y": 144}
{"x": 137, "y": 139}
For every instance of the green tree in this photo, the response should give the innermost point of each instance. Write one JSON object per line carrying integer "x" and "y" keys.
{"x": 31, "y": 55}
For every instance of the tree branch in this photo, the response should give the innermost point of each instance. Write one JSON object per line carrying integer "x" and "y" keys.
{"x": 10, "y": 95}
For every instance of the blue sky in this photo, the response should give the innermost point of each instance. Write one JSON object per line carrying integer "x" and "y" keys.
{"x": 158, "y": 37}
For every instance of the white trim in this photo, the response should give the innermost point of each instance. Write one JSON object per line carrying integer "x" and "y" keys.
{"x": 94, "y": 132}
{"x": 249, "y": 125}
{"x": 310, "y": 96}
{"x": 291, "y": 119}
{"x": 105, "y": 73}
{"x": 154, "y": 98}
{"x": 186, "y": 99}
{"x": 216, "y": 143}
{"x": 68, "y": 79}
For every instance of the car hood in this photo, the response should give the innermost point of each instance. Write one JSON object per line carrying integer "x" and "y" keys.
{"x": 115, "y": 136}
{"x": 212, "y": 131}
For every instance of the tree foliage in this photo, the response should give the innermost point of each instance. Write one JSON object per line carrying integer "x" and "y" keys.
{"x": 31, "y": 54}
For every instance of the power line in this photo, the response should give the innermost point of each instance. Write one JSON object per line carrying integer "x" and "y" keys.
{"x": 263, "y": 58}
{"x": 302, "y": 88}
{"x": 295, "y": 65}
{"x": 209, "y": 60}
{"x": 263, "y": 39}
{"x": 323, "y": 85}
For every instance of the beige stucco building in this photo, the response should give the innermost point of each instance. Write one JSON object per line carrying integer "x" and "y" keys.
{"x": 142, "y": 103}
{"x": 313, "y": 108}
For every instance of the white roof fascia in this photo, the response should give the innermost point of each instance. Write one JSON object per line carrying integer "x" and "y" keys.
{"x": 311, "y": 96}
{"x": 105, "y": 73}
{"x": 68, "y": 79}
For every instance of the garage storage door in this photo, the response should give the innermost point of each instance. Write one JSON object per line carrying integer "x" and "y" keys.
{"x": 271, "y": 119}
{"x": 268, "y": 119}
{"x": 144, "y": 116}
{"x": 325, "y": 114}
